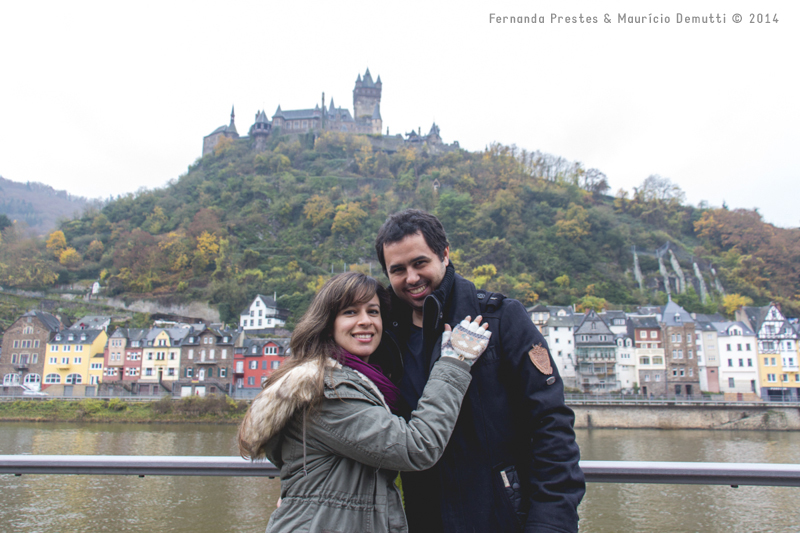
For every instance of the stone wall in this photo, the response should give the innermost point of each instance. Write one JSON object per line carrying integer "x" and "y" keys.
{"x": 673, "y": 415}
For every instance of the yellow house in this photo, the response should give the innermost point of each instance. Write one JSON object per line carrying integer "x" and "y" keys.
{"x": 69, "y": 357}
{"x": 161, "y": 360}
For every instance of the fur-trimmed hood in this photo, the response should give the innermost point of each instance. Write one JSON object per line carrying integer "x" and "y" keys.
{"x": 275, "y": 405}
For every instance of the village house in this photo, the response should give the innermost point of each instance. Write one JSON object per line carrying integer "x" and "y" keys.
{"x": 23, "y": 351}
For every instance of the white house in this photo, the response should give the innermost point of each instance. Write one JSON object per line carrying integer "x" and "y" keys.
{"x": 262, "y": 314}
{"x": 738, "y": 368}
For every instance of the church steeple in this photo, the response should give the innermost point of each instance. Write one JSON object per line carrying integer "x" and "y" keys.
{"x": 232, "y": 126}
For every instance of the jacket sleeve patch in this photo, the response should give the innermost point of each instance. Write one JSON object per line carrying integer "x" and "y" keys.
{"x": 541, "y": 359}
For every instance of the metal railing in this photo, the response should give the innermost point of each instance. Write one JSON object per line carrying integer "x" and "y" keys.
{"x": 733, "y": 474}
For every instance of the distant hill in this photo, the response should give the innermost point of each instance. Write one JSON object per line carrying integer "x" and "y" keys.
{"x": 38, "y": 205}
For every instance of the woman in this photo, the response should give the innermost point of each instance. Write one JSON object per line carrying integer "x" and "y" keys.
{"x": 324, "y": 417}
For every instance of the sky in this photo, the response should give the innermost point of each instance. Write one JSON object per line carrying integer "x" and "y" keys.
{"x": 105, "y": 98}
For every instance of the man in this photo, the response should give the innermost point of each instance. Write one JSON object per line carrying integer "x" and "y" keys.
{"x": 512, "y": 462}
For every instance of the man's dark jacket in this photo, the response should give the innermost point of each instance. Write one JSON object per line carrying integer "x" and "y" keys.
{"x": 512, "y": 462}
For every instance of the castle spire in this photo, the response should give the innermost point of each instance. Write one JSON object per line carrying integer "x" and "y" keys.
{"x": 232, "y": 126}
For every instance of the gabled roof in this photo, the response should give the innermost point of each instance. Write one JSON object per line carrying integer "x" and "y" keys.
{"x": 724, "y": 327}
{"x": 376, "y": 113}
{"x": 591, "y": 317}
{"x": 675, "y": 315}
{"x": 48, "y": 320}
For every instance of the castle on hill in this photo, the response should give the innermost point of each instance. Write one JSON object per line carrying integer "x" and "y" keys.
{"x": 366, "y": 119}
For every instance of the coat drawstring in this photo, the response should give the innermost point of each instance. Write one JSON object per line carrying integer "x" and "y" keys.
{"x": 305, "y": 472}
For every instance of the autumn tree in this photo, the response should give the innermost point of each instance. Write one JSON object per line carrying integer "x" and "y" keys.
{"x": 56, "y": 243}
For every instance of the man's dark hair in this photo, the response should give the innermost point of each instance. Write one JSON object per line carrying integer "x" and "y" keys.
{"x": 409, "y": 222}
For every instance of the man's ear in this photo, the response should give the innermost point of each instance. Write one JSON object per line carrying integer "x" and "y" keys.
{"x": 446, "y": 255}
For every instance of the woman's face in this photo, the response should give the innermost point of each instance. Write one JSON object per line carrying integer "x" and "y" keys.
{"x": 358, "y": 328}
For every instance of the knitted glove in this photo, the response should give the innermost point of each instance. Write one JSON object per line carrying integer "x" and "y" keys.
{"x": 467, "y": 342}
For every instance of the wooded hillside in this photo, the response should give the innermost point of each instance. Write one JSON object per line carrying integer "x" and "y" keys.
{"x": 532, "y": 226}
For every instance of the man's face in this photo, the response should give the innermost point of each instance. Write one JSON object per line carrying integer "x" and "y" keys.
{"x": 414, "y": 270}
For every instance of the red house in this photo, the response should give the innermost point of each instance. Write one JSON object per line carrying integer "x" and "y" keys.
{"x": 257, "y": 359}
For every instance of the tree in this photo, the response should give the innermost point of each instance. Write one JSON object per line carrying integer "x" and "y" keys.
{"x": 733, "y": 302}
{"x": 70, "y": 258}
{"x": 95, "y": 250}
{"x": 56, "y": 243}
{"x": 348, "y": 218}
{"x": 317, "y": 209}
{"x": 4, "y": 222}
{"x": 482, "y": 274}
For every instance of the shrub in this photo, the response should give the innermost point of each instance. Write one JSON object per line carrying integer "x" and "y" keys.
{"x": 162, "y": 406}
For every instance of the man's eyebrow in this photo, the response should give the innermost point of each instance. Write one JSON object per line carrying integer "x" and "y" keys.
{"x": 412, "y": 261}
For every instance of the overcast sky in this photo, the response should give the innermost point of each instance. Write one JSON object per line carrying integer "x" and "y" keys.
{"x": 104, "y": 98}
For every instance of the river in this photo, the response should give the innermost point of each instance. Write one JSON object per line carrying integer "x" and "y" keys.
{"x": 50, "y": 503}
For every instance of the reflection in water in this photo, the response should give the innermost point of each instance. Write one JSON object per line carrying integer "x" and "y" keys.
{"x": 209, "y": 504}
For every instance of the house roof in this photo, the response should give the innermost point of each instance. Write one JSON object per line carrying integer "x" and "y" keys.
{"x": 49, "y": 321}
{"x": 83, "y": 336}
{"x": 723, "y": 328}
{"x": 675, "y": 315}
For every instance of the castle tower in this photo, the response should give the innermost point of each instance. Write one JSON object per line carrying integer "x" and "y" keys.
{"x": 260, "y": 130}
{"x": 366, "y": 96}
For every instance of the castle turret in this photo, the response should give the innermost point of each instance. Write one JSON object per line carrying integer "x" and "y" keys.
{"x": 260, "y": 130}
{"x": 366, "y": 95}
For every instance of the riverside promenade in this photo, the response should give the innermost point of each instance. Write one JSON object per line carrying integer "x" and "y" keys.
{"x": 619, "y": 413}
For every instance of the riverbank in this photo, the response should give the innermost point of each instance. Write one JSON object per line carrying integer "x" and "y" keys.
{"x": 192, "y": 409}
{"x": 759, "y": 416}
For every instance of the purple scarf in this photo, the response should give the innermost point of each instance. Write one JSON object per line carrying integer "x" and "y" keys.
{"x": 388, "y": 389}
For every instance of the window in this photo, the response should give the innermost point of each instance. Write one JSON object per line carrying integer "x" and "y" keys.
{"x": 79, "y": 348}
{"x": 75, "y": 379}
{"x": 275, "y": 365}
{"x": 52, "y": 378}
{"x": 272, "y": 350}
{"x": 643, "y": 334}
{"x": 680, "y": 354}
{"x": 688, "y": 337}
{"x": 731, "y": 383}
{"x": 263, "y": 365}
{"x": 678, "y": 337}
{"x": 644, "y": 360}
{"x": 738, "y": 347}
{"x": 224, "y": 353}
{"x": 785, "y": 377}
{"x": 171, "y": 372}
{"x": 96, "y": 366}
{"x": 172, "y": 356}
{"x": 772, "y": 362}
{"x": 54, "y": 348}
{"x": 16, "y": 344}
{"x": 149, "y": 356}
{"x": 189, "y": 372}
{"x": 730, "y": 362}
{"x": 77, "y": 360}
{"x": 674, "y": 372}
{"x": 771, "y": 378}
{"x": 653, "y": 334}
{"x": 658, "y": 377}
{"x": 67, "y": 348}
{"x": 747, "y": 346}
{"x": 741, "y": 362}
{"x": 658, "y": 360}
{"x": 749, "y": 362}
{"x": 691, "y": 372}
{"x": 683, "y": 372}
{"x": 690, "y": 354}
{"x": 191, "y": 353}
{"x": 647, "y": 377}
{"x": 53, "y": 360}
{"x": 65, "y": 360}
{"x": 148, "y": 372}
{"x": 766, "y": 361}
{"x": 251, "y": 380}
{"x": 223, "y": 372}
{"x": 728, "y": 347}
{"x": 253, "y": 365}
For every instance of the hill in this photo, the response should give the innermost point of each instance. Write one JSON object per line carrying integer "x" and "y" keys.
{"x": 532, "y": 226}
{"x": 40, "y": 206}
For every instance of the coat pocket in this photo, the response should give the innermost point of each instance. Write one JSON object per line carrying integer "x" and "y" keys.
{"x": 512, "y": 489}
